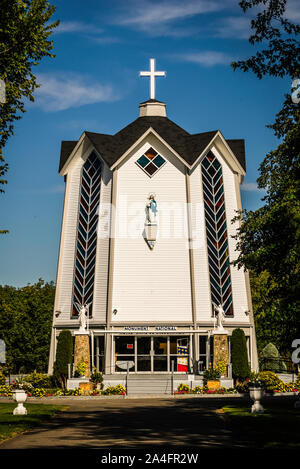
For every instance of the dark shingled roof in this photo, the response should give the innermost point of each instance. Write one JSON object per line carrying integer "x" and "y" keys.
{"x": 189, "y": 147}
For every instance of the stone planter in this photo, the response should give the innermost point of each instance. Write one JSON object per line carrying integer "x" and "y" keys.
{"x": 213, "y": 384}
{"x": 256, "y": 394}
{"x": 20, "y": 396}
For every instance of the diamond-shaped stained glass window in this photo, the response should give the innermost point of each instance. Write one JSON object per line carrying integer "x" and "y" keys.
{"x": 151, "y": 162}
{"x": 143, "y": 161}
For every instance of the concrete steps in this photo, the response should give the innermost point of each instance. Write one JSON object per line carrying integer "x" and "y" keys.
{"x": 149, "y": 385}
{"x": 152, "y": 385}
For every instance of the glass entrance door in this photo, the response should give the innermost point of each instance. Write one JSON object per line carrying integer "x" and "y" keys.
{"x": 160, "y": 349}
{"x": 143, "y": 354}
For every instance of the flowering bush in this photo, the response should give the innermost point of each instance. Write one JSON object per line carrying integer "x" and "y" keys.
{"x": 111, "y": 390}
{"x": 287, "y": 387}
{"x": 221, "y": 366}
{"x": 5, "y": 390}
{"x": 185, "y": 389}
{"x": 81, "y": 368}
{"x": 95, "y": 392}
{"x": 38, "y": 380}
{"x": 270, "y": 380}
{"x": 69, "y": 392}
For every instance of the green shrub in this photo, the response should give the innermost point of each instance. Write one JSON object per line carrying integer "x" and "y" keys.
{"x": 239, "y": 356}
{"x": 211, "y": 373}
{"x": 38, "y": 380}
{"x": 64, "y": 356}
{"x": 271, "y": 359}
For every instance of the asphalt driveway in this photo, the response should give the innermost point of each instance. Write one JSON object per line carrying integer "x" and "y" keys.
{"x": 131, "y": 423}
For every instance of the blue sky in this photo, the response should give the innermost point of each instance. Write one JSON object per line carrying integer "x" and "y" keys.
{"x": 93, "y": 84}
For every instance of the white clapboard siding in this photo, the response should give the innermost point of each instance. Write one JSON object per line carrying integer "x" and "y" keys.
{"x": 150, "y": 285}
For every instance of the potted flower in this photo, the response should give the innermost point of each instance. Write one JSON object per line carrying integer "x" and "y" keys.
{"x": 256, "y": 391}
{"x": 212, "y": 377}
{"x": 97, "y": 380}
{"x": 19, "y": 395}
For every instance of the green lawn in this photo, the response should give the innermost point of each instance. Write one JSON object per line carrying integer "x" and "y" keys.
{"x": 277, "y": 427}
{"x": 11, "y": 425}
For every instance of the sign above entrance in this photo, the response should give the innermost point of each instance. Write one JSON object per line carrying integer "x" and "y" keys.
{"x": 150, "y": 329}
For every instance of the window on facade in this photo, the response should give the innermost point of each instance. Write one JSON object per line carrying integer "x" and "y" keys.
{"x": 150, "y": 162}
{"x": 216, "y": 233}
{"x": 99, "y": 353}
{"x": 87, "y": 234}
{"x": 202, "y": 352}
{"x": 179, "y": 353}
{"x": 124, "y": 353}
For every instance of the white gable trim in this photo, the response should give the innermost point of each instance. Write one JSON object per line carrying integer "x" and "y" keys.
{"x": 83, "y": 139}
{"x": 150, "y": 130}
{"x": 230, "y": 157}
{"x": 63, "y": 170}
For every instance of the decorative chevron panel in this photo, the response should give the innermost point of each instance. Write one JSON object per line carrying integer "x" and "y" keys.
{"x": 216, "y": 233}
{"x": 87, "y": 234}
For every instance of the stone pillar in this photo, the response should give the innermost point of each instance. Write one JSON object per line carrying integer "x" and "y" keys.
{"x": 221, "y": 351}
{"x": 82, "y": 351}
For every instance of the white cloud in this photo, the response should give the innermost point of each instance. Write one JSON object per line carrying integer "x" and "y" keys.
{"x": 66, "y": 90}
{"x": 77, "y": 27}
{"x": 206, "y": 58}
{"x": 237, "y": 27}
{"x": 250, "y": 187}
{"x": 155, "y": 18}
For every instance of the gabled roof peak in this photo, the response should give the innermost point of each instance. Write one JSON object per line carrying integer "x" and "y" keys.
{"x": 188, "y": 146}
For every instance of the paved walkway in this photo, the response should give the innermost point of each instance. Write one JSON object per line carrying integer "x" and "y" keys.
{"x": 131, "y": 423}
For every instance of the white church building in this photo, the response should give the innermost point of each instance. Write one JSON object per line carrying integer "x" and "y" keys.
{"x": 147, "y": 244}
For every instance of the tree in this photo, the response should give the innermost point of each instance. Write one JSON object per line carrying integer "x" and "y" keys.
{"x": 271, "y": 359}
{"x": 268, "y": 238}
{"x": 272, "y": 322}
{"x": 24, "y": 41}
{"x": 25, "y": 325}
{"x": 64, "y": 356}
{"x": 239, "y": 355}
{"x": 3, "y": 170}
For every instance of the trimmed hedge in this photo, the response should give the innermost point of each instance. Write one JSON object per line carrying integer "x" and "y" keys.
{"x": 64, "y": 356}
{"x": 239, "y": 355}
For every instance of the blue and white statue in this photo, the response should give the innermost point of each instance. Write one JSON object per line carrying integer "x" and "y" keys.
{"x": 151, "y": 209}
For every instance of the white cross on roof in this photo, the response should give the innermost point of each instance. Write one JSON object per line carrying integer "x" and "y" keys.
{"x": 152, "y": 74}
